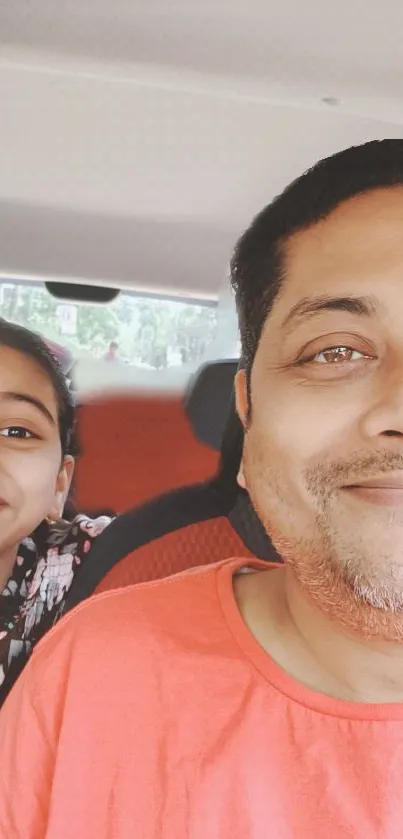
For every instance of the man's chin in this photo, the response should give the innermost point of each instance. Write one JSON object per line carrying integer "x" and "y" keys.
{"x": 368, "y": 608}
{"x": 380, "y": 599}
{"x": 379, "y": 587}
{"x": 356, "y": 585}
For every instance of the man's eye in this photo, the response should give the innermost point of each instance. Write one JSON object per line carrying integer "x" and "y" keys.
{"x": 16, "y": 431}
{"x": 336, "y": 355}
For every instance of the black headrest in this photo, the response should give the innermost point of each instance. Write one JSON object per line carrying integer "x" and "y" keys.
{"x": 209, "y": 400}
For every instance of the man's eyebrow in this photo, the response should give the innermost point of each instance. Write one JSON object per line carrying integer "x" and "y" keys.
{"x": 12, "y": 396}
{"x": 310, "y": 306}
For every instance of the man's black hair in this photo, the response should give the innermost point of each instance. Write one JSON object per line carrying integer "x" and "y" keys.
{"x": 257, "y": 266}
{"x": 30, "y": 344}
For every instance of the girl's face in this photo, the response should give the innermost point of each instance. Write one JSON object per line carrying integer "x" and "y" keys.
{"x": 34, "y": 480}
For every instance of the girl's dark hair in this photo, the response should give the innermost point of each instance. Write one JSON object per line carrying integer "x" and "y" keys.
{"x": 257, "y": 267}
{"x": 32, "y": 345}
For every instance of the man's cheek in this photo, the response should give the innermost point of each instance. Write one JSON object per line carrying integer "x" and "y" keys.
{"x": 278, "y": 441}
{"x": 297, "y": 441}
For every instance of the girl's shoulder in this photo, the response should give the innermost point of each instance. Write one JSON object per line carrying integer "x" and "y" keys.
{"x": 90, "y": 527}
{"x": 63, "y": 536}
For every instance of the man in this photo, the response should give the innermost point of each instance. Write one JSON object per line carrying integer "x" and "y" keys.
{"x": 112, "y": 352}
{"x": 246, "y": 703}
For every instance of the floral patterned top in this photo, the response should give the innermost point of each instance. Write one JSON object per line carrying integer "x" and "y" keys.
{"x": 34, "y": 597}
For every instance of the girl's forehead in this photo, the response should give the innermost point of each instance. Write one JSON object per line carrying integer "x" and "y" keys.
{"x": 22, "y": 375}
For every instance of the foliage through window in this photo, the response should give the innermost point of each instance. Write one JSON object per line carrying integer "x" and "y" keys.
{"x": 154, "y": 332}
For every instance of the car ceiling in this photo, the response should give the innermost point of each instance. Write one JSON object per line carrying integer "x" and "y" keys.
{"x": 138, "y": 138}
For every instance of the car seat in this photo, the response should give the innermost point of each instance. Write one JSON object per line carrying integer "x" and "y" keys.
{"x": 190, "y": 526}
{"x": 135, "y": 447}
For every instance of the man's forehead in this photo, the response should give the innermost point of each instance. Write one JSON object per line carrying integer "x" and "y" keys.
{"x": 354, "y": 249}
{"x": 367, "y": 221}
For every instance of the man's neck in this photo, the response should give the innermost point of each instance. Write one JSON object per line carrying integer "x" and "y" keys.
{"x": 311, "y": 647}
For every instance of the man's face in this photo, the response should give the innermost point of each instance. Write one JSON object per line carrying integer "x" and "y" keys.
{"x": 33, "y": 479}
{"x": 326, "y": 424}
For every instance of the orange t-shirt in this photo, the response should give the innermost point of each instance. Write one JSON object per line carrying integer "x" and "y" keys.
{"x": 152, "y": 713}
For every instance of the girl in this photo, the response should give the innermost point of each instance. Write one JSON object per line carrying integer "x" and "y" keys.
{"x": 40, "y": 552}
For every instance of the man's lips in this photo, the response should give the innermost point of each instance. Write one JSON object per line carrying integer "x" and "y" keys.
{"x": 385, "y": 490}
{"x": 391, "y": 481}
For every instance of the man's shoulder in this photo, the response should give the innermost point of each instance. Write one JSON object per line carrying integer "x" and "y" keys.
{"x": 144, "y": 613}
{"x": 137, "y": 641}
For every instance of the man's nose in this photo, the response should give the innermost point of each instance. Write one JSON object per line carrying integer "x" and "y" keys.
{"x": 384, "y": 416}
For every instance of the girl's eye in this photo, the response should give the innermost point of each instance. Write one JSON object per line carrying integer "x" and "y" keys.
{"x": 17, "y": 432}
{"x": 336, "y": 355}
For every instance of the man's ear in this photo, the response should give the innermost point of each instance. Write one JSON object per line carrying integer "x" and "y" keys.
{"x": 241, "y": 476}
{"x": 241, "y": 396}
{"x": 242, "y": 407}
{"x": 63, "y": 484}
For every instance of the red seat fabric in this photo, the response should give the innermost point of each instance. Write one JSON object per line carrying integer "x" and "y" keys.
{"x": 201, "y": 543}
{"x": 134, "y": 449}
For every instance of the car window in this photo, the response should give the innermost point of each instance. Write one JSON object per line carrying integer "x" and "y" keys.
{"x": 160, "y": 340}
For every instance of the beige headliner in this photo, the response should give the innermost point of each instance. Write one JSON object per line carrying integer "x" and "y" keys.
{"x": 137, "y": 139}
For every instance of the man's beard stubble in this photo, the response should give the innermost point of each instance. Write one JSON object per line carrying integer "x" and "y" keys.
{"x": 336, "y": 572}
